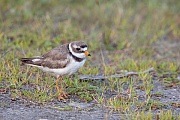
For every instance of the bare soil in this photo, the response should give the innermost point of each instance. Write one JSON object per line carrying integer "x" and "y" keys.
{"x": 21, "y": 109}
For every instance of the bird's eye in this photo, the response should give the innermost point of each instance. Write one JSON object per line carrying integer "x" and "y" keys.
{"x": 77, "y": 49}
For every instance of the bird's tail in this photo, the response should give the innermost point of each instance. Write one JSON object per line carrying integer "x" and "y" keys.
{"x": 27, "y": 60}
{"x": 32, "y": 61}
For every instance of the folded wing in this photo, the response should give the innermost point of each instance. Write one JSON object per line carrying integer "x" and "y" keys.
{"x": 56, "y": 58}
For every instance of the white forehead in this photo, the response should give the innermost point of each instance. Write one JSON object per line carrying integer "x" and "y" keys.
{"x": 84, "y": 49}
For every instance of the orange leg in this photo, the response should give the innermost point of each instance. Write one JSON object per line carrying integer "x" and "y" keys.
{"x": 57, "y": 86}
{"x": 60, "y": 91}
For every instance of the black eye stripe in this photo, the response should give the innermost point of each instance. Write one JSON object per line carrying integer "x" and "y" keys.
{"x": 78, "y": 49}
{"x": 83, "y": 46}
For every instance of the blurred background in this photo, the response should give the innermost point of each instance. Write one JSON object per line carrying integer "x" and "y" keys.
{"x": 114, "y": 29}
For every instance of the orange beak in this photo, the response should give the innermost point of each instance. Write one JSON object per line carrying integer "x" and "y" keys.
{"x": 87, "y": 53}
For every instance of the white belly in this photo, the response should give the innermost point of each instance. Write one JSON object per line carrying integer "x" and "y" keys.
{"x": 71, "y": 68}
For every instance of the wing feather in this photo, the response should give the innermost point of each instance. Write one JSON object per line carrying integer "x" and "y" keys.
{"x": 56, "y": 58}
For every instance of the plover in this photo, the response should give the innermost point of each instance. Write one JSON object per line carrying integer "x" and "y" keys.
{"x": 63, "y": 60}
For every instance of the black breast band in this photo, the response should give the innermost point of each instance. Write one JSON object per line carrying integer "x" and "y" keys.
{"x": 76, "y": 58}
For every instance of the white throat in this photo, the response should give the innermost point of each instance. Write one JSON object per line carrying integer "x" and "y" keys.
{"x": 79, "y": 55}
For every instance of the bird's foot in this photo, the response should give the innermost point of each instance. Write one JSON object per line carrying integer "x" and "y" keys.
{"x": 62, "y": 95}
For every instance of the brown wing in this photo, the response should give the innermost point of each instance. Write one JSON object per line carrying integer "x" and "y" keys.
{"x": 56, "y": 58}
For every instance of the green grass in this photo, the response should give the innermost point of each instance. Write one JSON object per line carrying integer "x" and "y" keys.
{"x": 122, "y": 36}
